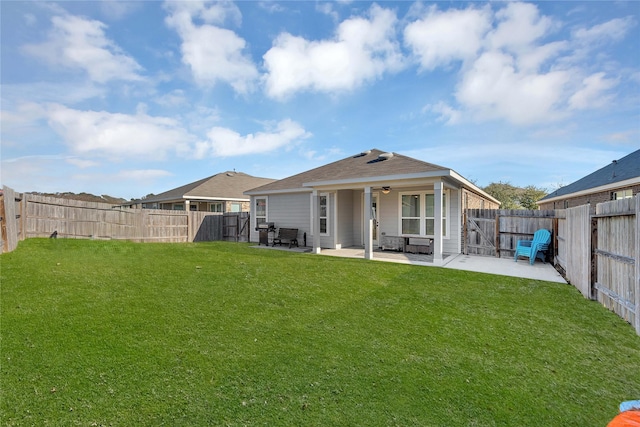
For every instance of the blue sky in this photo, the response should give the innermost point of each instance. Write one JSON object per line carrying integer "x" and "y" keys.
{"x": 131, "y": 98}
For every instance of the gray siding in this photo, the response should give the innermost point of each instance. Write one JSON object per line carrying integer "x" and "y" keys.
{"x": 345, "y": 218}
{"x": 451, "y": 245}
{"x": 290, "y": 211}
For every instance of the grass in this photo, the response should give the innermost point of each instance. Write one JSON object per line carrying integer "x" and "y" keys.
{"x": 122, "y": 334}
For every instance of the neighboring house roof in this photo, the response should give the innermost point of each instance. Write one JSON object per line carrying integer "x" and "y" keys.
{"x": 228, "y": 185}
{"x": 625, "y": 171}
{"x": 371, "y": 165}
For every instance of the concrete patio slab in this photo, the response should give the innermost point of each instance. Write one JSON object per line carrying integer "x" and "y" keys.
{"x": 505, "y": 267}
{"x": 480, "y": 264}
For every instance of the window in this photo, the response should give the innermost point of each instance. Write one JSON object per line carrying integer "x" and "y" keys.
{"x": 236, "y": 207}
{"x": 410, "y": 214}
{"x": 622, "y": 194}
{"x": 430, "y": 214}
{"x": 216, "y": 207}
{"x": 418, "y": 214}
{"x": 324, "y": 201}
{"x": 261, "y": 210}
{"x": 178, "y": 206}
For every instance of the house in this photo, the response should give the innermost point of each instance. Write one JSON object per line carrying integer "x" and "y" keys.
{"x": 618, "y": 180}
{"x": 369, "y": 197}
{"x": 223, "y": 192}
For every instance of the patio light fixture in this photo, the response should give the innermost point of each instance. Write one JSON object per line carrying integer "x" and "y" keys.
{"x": 386, "y": 190}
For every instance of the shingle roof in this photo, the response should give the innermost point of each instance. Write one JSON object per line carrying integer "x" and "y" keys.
{"x": 223, "y": 186}
{"x": 624, "y": 169}
{"x": 363, "y": 165}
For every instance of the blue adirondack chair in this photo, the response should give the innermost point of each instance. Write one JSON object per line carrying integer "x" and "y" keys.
{"x": 535, "y": 248}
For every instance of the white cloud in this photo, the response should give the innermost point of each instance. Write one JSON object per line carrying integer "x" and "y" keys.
{"x": 213, "y": 54}
{"x": 519, "y": 27}
{"x": 613, "y": 30}
{"x": 226, "y": 142}
{"x": 174, "y": 98}
{"x": 362, "y": 50}
{"x": 79, "y": 43}
{"x": 439, "y": 38}
{"x": 118, "y": 136}
{"x": 447, "y": 114}
{"x": 493, "y": 88}
{"x": 514, "y": 66}
{"x": 592, "y": 93}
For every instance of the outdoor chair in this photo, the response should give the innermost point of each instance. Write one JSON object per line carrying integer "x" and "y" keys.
{"x": 535, "y": 248}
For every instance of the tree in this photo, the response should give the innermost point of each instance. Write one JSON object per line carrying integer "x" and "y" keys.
{"x": 512, "y": 197}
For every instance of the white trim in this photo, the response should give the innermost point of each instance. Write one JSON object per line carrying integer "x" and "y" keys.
{"x": 253, "y": 211}
{"x": 607, "y": 187}
{"x": 374, "y": 181}
{"x": 222, "y": 199}
{"x": 423, "y": 213}
{"x": 283, "y": 191}
{"x": 327, "y": 217}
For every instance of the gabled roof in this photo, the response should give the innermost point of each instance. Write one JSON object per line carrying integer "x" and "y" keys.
{"x": 618, "y": 171}
{"x": 228, "y": 185}
{"x": 369, "y": 165}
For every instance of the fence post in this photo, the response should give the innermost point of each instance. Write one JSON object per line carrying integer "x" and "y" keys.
{"x": 593, "y": 291}
{"x": 498, "y": 235}
{"x": 465, "y": 249}
{"x": 637, "y": 263}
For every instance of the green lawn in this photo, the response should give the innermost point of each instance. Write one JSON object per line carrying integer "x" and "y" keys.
{"x": 126, "y": 334}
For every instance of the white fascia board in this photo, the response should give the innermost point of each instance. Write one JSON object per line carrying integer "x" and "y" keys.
{"x": 217, "y": 199}
{"x": 607, "y": 187}
{"x": 374, "y": 180}
{"x": 284, "y": 191}
{"x": 473, "y": 187}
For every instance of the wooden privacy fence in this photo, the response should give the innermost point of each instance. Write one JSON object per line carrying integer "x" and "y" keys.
{"x": 616, "y": 257}
{"x": 495, "y": 232}
{"x": 597, "y": 253}
{"x": 33, "y": 215}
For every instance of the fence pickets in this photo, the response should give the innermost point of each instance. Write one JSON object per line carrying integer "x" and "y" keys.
{"x": 616, "y": 258}
{"x": 597, "y": 253}
{"x": 495, "y": 232}
{"x": 33, "y": 215}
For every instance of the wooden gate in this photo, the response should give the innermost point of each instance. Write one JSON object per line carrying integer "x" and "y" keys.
{"x": 492, "y": 232}
{"x": 236, "y": 226}
{"x": 575, "y": 250}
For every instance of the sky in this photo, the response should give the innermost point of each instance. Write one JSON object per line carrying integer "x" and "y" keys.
{"x": 134, "y": 98}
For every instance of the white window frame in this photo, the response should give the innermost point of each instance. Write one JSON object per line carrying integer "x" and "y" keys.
{"x": 220, "y": 204}
{"x": 327, "y": 217}
{"x": 423, "y": 213}
{"x": 625, "y": 193}
{"x": 236, "y": 207}
{"x": 255, "y": 210}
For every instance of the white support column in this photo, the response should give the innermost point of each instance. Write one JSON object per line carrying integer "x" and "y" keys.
{"x": 315, "y": 206}
{"x": 368, "y": 224}
{"x": 437, "y": 226}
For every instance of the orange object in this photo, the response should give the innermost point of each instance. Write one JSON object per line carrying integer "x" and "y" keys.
{"x": 626, "y": 419}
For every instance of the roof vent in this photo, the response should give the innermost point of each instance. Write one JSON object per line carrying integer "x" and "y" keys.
{"x": 382, "y": 157}
{"x": 364, "y": 153}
